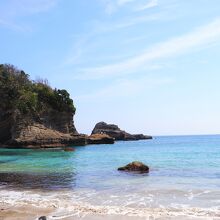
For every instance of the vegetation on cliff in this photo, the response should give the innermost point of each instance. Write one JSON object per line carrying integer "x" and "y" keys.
{"x": 17, "y": 91}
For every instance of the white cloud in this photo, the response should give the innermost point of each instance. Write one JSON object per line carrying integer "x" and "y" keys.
{"x": 137, "y": 20}
{"x": 123, "y": 2}
{"x": 127, "y": 88}
{"x": 150, "y": 4}
{"x": 15, "y": 8}
{"x": 198, "y": 39}
{"x": 126, "y": 22}
{"x": 33, "y": 6}
{"x": 13, "y": 26}
{"x": 11, "y": 10}
{"x": 112, "y": 6}
{"x": 82, "y": 43}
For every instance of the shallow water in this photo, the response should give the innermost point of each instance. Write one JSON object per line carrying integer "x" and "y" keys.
{"x": 184, "y": 176}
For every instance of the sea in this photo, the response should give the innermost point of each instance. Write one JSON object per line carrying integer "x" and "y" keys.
{"x": 183, "y": 182}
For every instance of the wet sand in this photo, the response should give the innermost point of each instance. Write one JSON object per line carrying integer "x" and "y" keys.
{"x": 32, "y": 212}
{"x": 22, "y": 213}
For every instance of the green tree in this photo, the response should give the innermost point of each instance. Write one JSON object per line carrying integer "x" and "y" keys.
{"x": 17, "y": 91}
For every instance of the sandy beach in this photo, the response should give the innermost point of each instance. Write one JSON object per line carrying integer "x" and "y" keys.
{"x": 85, "y": 184}
{"x": 32, "y": 209}
{"x": 33, "y": 213}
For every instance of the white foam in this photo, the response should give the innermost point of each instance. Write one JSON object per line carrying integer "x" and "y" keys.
{"x": 66, "y": 205}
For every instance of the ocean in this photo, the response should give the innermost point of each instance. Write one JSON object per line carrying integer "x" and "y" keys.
{"x": 183, "y": 183}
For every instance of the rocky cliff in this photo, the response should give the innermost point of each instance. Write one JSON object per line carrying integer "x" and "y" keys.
{"x": 115, "y": 132}
{"x": 32, "y": 114}
{"x": 48, "y": 130}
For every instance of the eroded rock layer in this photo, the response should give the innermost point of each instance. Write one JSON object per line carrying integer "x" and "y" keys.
{"x": 55, "y": 130}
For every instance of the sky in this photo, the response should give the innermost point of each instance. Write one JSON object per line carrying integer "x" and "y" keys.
{"x": 150, "y": 66}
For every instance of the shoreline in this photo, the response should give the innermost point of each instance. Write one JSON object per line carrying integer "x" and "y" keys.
{"x": 88, "y": 212}
{"x": 29, "y": 205}
{"x": 86, "y": 184}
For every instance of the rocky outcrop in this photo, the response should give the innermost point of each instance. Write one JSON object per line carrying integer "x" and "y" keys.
{"x": 135, "y": 166}
{"x": 141, "y": 137}
{"x": 33, "y": 114}
{"x": 100, "y": 139}
{"x": 55, "y": 129}
{"x": 49, "y": 130}
{"x": 115, "y": 132}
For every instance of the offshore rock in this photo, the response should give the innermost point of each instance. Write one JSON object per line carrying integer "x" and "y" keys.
{"x": 100, "y": 139}
{"x": 115, "y": 132}
{"x": 69, "y": 149}
{"x": 135, "y": 166}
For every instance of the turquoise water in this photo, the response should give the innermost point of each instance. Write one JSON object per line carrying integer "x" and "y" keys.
{"x": 184, "y": 171}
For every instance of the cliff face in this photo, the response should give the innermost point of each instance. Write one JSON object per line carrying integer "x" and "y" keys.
{"x": 60, "y": 121}
{"x": 6, "y": 125}
{"x": 115, "y": 132}
{"x": 50, "y": 129}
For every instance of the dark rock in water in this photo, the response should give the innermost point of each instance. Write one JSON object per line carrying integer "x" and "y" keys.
{"x": 135, "y": 166}
{"x": 43, "y": 218}
{"x": 115, "y": 132}
{"x": 100, "y": 139}
{"x": 39, "y": 181}
{"x": 142, "y": 137}
{"x": 69, "y": 149}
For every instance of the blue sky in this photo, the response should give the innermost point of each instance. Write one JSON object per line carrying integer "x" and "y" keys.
{"x": 150, "y": 66}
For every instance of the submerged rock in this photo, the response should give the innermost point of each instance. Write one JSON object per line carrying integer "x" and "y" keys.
{"x": 100, "y": 139}
{"x": 135, "y": 166}
{"x": 115, "y": 132}
{"x": 69, "y": 149}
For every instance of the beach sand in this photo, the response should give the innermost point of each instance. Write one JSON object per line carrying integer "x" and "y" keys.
{"x": 23, "y": 212}
{"x": 30, "y": 212}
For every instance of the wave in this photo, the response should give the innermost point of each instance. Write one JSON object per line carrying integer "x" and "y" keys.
{"x": 63, "y": 205}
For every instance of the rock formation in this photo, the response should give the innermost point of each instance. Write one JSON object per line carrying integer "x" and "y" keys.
{"x": 32, "y": 114}
{"x": 100, "y": 139}
{"x": 54, "y": 129}
{"x": 115, "y": 132}
{"x": 135, "y": 166}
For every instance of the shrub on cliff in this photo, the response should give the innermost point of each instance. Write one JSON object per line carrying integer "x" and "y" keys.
{"x": 17, "y": 91}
